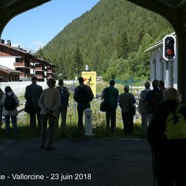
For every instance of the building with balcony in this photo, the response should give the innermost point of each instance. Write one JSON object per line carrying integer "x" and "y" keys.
{"x": 24, "y": 62}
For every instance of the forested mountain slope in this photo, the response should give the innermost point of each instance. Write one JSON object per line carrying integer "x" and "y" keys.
{"x": 110, "y": 38}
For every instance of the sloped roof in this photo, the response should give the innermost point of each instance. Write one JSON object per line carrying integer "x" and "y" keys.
{"x": 159, "y": 43}
{"x": 9, "y": 70}
{"x": 21, "y": 50}
{"x": 15, "y": 48}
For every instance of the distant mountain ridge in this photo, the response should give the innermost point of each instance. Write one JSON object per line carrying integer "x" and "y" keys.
{"x": 110, "y": 38}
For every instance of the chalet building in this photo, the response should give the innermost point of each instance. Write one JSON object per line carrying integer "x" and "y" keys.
{"x": 24, "y": 62}
{"x": 160, "y": 68}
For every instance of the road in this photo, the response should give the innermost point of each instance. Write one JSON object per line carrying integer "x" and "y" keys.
{"x": 85, "y": 162}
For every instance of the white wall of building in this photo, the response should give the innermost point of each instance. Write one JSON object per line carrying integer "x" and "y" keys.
{"x": 8, "y": 61}
{"x": 162, "y": 69}
{"x": 19, "y": 87}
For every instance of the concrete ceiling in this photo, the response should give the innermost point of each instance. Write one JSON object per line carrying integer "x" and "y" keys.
{"x": 168, "y": 4}
{"x": 173, "y": 10}
{"x": 173, "y": 3}
{"x": 6, "y": 3}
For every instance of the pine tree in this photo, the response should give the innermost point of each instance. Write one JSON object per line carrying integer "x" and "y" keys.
{"x": 78, "y": 61}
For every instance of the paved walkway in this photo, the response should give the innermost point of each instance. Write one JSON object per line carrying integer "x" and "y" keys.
{"x": 85, "y": 162}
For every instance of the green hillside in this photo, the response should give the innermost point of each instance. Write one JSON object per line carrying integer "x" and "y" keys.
{"x": 110, "y": 38}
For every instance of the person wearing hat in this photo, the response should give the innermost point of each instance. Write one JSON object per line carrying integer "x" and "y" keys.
{"x": 64, "y": 93}
{"x": 127, "y": 101}
{"x": 32, "y": 93}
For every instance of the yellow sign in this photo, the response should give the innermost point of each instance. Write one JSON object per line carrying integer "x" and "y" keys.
{"x": 90, "y": 80}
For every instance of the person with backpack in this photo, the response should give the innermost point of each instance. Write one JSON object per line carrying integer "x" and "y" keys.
{"x": 83, "y": 95}
{"x": 10, "y": 103}
{"x": 111, "y": 94}
{"x": 166, "y": 135}
{"x": 64, "y": 93}
{"x": 152, "y": 100}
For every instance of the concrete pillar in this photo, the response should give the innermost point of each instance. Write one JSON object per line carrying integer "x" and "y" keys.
{"x": 88, "y": 122}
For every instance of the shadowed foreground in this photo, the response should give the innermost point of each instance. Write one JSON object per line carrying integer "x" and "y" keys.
{"x": 99, "y": 162}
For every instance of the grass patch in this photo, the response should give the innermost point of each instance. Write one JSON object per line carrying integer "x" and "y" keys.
{"x": 73, "y": 132}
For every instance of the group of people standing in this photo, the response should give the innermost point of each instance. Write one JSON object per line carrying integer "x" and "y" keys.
{"x": 160, "y": 107}
{"x": 126, "y": 102}
{"x": 83, "y": 96}
{"x": 169, "y": 155}
{"x": 52, "y": 102}
{"x": 148, "y": 104}
{"x": 47, "y": 105}
{"x": 155, "y": 106}
{"x": 150, "y": 100}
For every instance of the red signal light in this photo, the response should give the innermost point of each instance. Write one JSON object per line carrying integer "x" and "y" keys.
{"x": 170, "y": 52}
{"x": 169, "y": 47}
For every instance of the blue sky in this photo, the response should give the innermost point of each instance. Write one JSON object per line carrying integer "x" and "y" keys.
{"x": 36, "y": 27}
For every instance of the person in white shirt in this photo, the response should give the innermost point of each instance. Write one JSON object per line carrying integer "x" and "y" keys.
{"x": 126, "y": 102}
{"x": 49, "y": 103}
